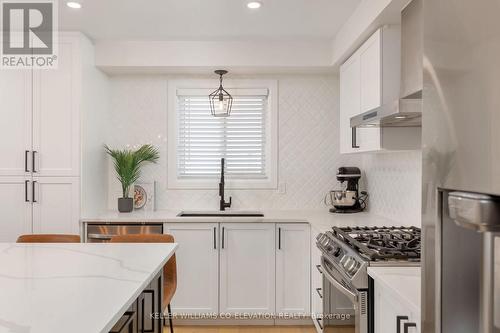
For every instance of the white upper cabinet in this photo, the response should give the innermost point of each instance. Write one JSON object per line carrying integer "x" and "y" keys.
{"x": 197, "y": 267}
{"x": 15, "y": 124}
{"x": 369, "y": 79}
{"x": 370, "y": 74}
{"x": 56, "y": 118}
{"x": 247, "y": 268}
{"x": 293, "y": 279}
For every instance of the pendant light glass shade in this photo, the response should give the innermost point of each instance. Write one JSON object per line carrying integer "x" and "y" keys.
{"x": 221, "y": 101}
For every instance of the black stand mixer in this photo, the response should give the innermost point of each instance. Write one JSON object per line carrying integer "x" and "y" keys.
{"x": 348, "y": 200}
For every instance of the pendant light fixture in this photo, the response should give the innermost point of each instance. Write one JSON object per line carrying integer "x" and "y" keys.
{"x": 221, "y": 101}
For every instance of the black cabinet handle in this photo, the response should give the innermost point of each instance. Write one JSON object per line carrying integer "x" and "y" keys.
{"x": 223, "y": 237}
{"x": 33, "y": 169}
{"x": 130, "y": 315}
{"x": 279, "y": 238}
{"x": 319, "y": 324}
{"x": 26, "y": 152}
{"x": 144, "y": 316}
{"x": 318, "y": 267}
{"x": 354, "y": 138}
{"x": 26, "y": 191}
{"x": 318, "y": 290}
{"x": 215, "y": 238}
{"x": 33, "y": 191}
{"x": 408, "y": 325}
{"x": 398, "y": 322}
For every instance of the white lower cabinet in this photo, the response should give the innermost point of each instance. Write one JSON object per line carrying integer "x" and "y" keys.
{"x": 391, "y": 312}
{"x": 56, "y": 205}
{"x": 247, "y": 268}
{"x": 16, "y": 208}
{"x": 242, "y": 268}
{"x": 197, "y": 267}
{"x": 293, "y": 277}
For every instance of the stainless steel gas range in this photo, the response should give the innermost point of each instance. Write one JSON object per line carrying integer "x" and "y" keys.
{"x": 346, "y": 254}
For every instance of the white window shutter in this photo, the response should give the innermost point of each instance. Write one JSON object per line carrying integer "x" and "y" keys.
{"x": 240, "y": 138}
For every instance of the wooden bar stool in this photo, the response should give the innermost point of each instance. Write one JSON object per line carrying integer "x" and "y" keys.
{"x": 169, "y": 270}
{"x": 48, "y": 238}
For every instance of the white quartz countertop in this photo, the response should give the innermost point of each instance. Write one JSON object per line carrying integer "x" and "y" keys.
{"x": 403, "y": 281}
{"x": 78, "y": 288}
{"x": 320, "y": 219}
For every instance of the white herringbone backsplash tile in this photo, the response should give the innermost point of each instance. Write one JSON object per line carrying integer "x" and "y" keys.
{"x": 308, "y": 149}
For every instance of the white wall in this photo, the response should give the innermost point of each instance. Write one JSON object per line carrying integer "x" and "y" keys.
{"x": 308, "y": 150}
{"x": 308, "y": 141}
{"x": 393, "y": 181}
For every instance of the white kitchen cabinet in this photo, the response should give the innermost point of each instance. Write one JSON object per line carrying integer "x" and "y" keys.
{"x": 388, "y": 307}
{"x": 44, "y": 113}
{"x": 369, "y": 79}
{"x": 197, "y": 267}
{"x": 16, "y": 208}
{"x": 247, "y": 268}
{"x": 15, "y": 126}
{"x": 56, "y": 117}
{"x": 293, "y": 278}
{"x": 56, "y": 205}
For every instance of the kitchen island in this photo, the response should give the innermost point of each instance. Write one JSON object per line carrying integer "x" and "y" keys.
{"x": 48, "y": 288}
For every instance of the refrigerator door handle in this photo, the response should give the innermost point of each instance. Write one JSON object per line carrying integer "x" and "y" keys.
{"x": 480, "y": 212}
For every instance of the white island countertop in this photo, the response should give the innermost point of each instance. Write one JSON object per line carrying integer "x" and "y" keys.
{"x": 321, "y": 219}
{"x": 78, "y": 288}
{"x": 404, "y": 282}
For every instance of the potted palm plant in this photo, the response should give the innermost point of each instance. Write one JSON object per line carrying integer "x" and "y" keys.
{"x": 127, "y": 164}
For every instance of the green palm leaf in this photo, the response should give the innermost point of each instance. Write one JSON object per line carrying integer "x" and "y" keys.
{"x": 127, "y": 163}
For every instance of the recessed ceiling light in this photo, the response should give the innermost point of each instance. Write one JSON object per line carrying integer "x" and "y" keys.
{"x": 74, "y": 4}
{"x": 254, "y": 4}
{"x": 400, "y": 117}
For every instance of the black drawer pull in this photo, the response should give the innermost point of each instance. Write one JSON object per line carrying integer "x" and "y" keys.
{"x": 279, "y": 238}
{"x": 33, "y": 159}
{"x": 130, "y": 315}
{"x": 26, "y": 191}
{"x": 33, "y": 199}
{"x": 318, "y": 290}
{"x": 144, "y": 316}
{"x": 319, "y": 324}
{"x": 215, "y": 238}
{"x": 398, "y": 322}
{"x": 408, "y": 325}
{"x": 354, "y": 139}
{"x": 26, "y": 152}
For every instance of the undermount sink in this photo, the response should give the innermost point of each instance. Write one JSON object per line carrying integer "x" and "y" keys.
{"x": 227, "y": 213}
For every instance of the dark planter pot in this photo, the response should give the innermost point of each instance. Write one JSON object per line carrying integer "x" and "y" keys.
{"x": 125, "y": 205}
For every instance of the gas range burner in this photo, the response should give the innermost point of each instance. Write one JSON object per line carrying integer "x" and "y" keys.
{"x": 382, "y": 243}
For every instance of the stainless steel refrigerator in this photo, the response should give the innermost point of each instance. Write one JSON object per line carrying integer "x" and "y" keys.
{"x": 461, "y": 167}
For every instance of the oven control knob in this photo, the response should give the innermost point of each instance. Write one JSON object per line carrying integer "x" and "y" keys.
{"x": 336, "y": 250}
{"x": 350, "y": 264}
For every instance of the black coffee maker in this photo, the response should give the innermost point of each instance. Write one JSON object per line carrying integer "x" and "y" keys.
{"x": 349, "y": 199}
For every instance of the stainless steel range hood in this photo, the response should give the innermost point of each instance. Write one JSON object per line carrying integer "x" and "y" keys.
{"x": 407, "y": 111}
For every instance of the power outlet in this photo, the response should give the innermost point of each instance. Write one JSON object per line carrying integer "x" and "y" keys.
{"x": 282, "y": 188}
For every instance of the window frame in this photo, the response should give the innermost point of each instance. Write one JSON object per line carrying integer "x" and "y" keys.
{"x": 271, "y": 130}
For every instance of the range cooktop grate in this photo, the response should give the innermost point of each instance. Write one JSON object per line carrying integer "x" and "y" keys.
{"x": 382, "y": 243}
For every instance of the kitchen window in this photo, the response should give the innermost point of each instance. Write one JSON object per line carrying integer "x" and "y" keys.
{"x": 247, "y": 139}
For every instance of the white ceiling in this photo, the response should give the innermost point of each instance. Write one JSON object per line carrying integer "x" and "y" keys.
{"x": 206, "y": 19}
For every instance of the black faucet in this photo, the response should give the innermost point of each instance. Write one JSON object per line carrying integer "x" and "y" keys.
{"x": 223, "y": 203}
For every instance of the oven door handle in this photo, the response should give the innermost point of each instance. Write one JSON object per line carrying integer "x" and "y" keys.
{"x": 100, "y": 236}
{"x": 352, "y": 296}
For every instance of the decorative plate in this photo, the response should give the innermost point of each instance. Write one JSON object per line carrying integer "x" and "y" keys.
{"x": 140, "y": 197}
